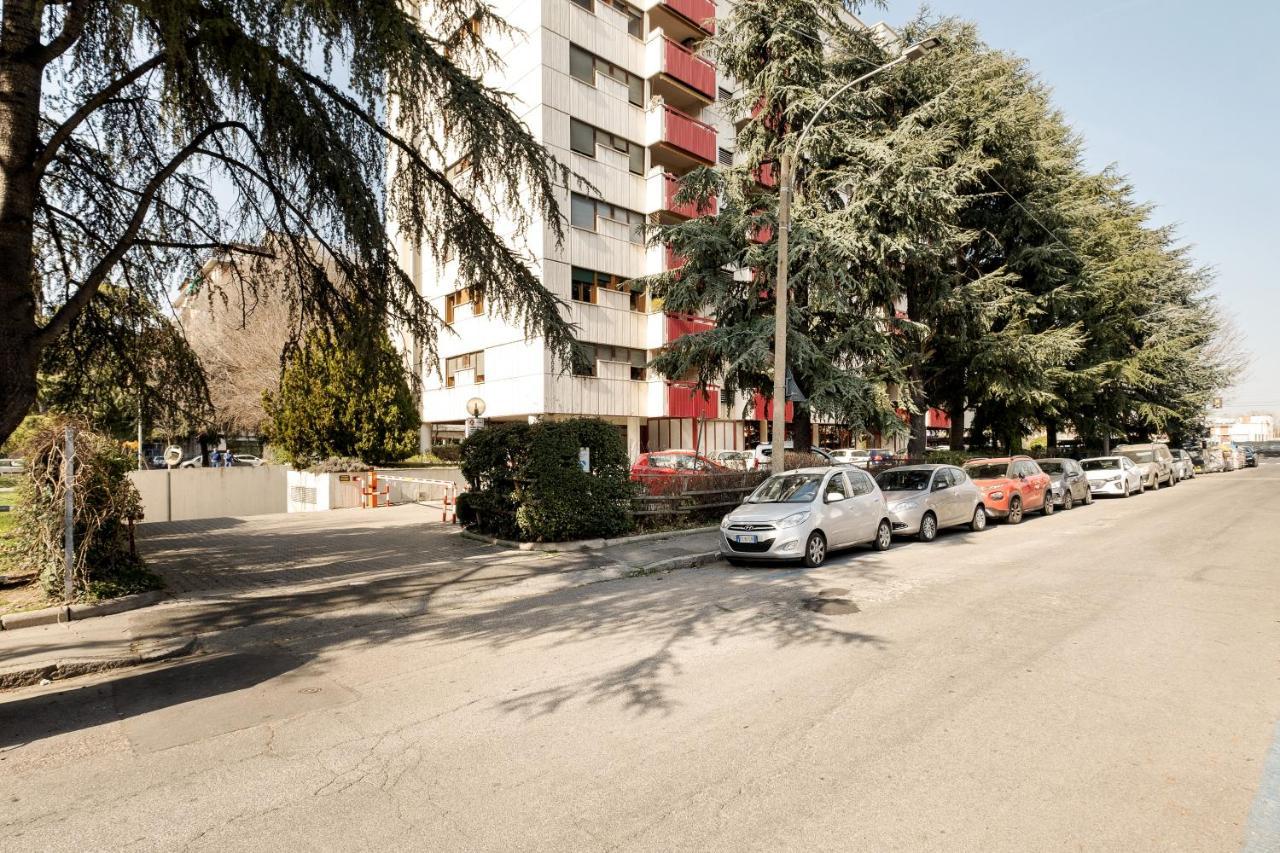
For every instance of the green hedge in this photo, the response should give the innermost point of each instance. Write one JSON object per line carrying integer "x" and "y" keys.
{"x": 525, "y": 482}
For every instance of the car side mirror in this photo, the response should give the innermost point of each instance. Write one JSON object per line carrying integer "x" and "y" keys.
{"x": 939, "y": 486}
{"x": 834, "y": 497}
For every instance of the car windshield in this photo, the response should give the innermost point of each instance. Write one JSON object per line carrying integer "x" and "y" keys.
{"x": 1050, "y": 467}
{"x": 850, "y": 454}
{"x": 1100, "y": 464}
{"x": 900, "y": 480}
{"x": 1139, "y": 455}
{"x": 988, "y": 471}
{"x": 670, "y": 460}
{"x": 787, "y": 489}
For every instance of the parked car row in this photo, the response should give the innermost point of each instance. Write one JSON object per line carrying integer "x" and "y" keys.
{"x": 806, "y": 514}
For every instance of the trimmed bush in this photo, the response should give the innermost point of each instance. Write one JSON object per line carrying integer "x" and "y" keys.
{"x": 525, "y": 481}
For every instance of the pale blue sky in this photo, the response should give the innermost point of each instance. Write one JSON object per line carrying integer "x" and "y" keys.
{"x": 1185, "y": 99}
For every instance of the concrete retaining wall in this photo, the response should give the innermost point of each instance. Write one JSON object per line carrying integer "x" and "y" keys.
{"x": 184, "y": 494}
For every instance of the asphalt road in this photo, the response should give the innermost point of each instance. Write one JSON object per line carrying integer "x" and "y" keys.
{"x": 1103, "y": 679}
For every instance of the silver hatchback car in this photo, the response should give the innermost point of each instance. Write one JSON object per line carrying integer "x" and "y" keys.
{"x": 806, "y": 514}
{"x": 923, "y": 499}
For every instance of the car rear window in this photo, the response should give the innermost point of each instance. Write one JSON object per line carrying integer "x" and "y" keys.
{"x": 989, "y": 471}
{"x": 899, "y": 480}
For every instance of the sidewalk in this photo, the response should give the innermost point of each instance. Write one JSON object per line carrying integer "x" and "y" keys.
{"x": 352, "y": 567}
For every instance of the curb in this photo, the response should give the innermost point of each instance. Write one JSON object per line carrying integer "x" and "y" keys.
{"x": 64, "y": 613}
{"x": 140, "y": 653}
{"x": 689, "y": 561}
{"x": 583, "y": 544}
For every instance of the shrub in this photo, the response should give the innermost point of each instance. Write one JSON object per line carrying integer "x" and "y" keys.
{"x": 339, "y": 465}
{"x": 525, "y": 481}
{"x": 106, "y": 506}
{"x": 447, "y": 452}
{"x": 794, "y": 459}
{"x": 948, "y": 457}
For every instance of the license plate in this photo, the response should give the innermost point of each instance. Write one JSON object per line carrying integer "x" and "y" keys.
{"x": 746, "y": 540}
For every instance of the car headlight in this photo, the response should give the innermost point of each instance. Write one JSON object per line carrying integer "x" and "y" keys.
{"x": 1113, "y": 478}
{"x": 996, "y": 495}
{"x": 903, "y": 506}
{"x": 795, "y": 519}
{"x": 724, "y": 523}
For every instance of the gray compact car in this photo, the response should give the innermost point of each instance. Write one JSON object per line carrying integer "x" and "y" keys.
{"x": 923, "y": 499}
{"x": 1068, "y": 482}
{"x": 804, "y": 515}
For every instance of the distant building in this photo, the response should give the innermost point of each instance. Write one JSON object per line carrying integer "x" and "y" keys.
{"x": 1244, "y": 429}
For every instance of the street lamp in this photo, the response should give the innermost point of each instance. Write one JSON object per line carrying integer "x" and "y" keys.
{"x": 785, "y": 190}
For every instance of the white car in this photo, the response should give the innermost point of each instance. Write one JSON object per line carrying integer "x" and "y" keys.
{"x": 247, "y": 459}
{"x": 764, "y": 453}
{"x": 1117, "y": 476}
{"x": 193, "y": 462}
{"x": 738, "y": 460}
{"x": 804, "y": 515}
{"x": 851, "y": 456}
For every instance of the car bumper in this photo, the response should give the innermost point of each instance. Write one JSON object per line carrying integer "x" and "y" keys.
{"x": 770, "y": 544}
{"x": 1113, "y": 488}
{"x": 906, "y": 522}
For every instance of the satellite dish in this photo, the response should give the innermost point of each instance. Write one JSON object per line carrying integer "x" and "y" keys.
{"x": 172, "y": 455}
{"x": 475, "y": 407}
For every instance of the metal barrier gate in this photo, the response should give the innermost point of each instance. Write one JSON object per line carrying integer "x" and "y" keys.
{"x": 406, "y": 490}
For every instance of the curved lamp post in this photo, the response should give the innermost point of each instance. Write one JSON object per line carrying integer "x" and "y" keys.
{"x": 785, "y": 190}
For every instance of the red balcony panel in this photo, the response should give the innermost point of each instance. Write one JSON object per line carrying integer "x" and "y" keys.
{"x": 689, "y": 210}
{"x": 675, "y": 261}
{"x": 764, "y": 408}
{"x": 679, "y": 325}
{"x": 700, "y": 13}
{"x": 938, "y": 419}
{"x": 684, "y": 400}
{"x": 763, "y": 234}
{"x": 693, "y": 71}
{"x": 688, "y": 134}
{"x": 767, "y": 175}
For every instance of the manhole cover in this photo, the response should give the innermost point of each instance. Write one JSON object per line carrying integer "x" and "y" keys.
{"x": 831, "y": 606}
{"x": 309, "y": 690}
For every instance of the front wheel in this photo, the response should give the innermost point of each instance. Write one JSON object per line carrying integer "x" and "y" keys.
{"x": 979, "y": 521}
{"x": 1068, "y": 500}
{"x": 815, "y": 550}
{"x": 1048, "y": 507}
{"x": 1088, "y": 497}
{"x": 884, "y": 536}
{"x": 1155, "y": 484}
{"x": 1126, "y": 489}
{"x": 1015, "y": 510}
{"x": 928, "y": 527}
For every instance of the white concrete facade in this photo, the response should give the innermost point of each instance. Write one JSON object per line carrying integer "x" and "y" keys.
{"x": 615, "y": 91}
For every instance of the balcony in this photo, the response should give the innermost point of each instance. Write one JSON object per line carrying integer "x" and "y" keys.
{"x": 685, "y": 19}
{"x": 677, "y": 74}
{"x": 762, "y": 409}
{"x": 684, "y": 400}
{"x": 679, "y": 325}
{"x": 677, "y": 141}
{"x": 661, "y": 190}
{"x": 763, "y": 234}
{"x": 767, "y": 175}
{"x": 674, "y": 261}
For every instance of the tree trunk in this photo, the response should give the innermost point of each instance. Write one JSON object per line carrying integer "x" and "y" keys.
{"x": 20, "y": 79}
{"x": 956, "y": 412}
{"x": 1051, "y": 435}
{"x": 801, "y": 428}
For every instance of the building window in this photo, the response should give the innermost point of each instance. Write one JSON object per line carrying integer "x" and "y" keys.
{"x": 459, "y": 298}
{"x": 585, "y": 212}
{"x": 636, "y": 359}
{"x": 635, "y": 18}
{"x": 583, "y": 138}
{"x": 724, "y": 156}
{"x": 586, "y": 285}
{"x": 589, "y": 368}
{"x": 468, "y": 361}
{"x": 584, "y": 66}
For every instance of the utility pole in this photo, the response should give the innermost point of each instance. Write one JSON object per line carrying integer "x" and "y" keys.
{"x": 786, "y": 191}
{"x": 69, "y": 514}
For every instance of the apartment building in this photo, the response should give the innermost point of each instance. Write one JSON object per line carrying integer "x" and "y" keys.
{"x": 615, "y": 90}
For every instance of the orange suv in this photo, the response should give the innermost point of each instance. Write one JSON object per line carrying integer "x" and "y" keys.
{"x": 1011, "y": 486}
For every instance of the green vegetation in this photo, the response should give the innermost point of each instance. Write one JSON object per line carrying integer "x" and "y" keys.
{"x": 106, "y": 507}
{"x": 526, "y": 483}
{"x": 948, "y": 248}
{"x": 344, "y": 395}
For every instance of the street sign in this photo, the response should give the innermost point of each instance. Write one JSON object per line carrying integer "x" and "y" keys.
{"x": 474, "y": 425}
